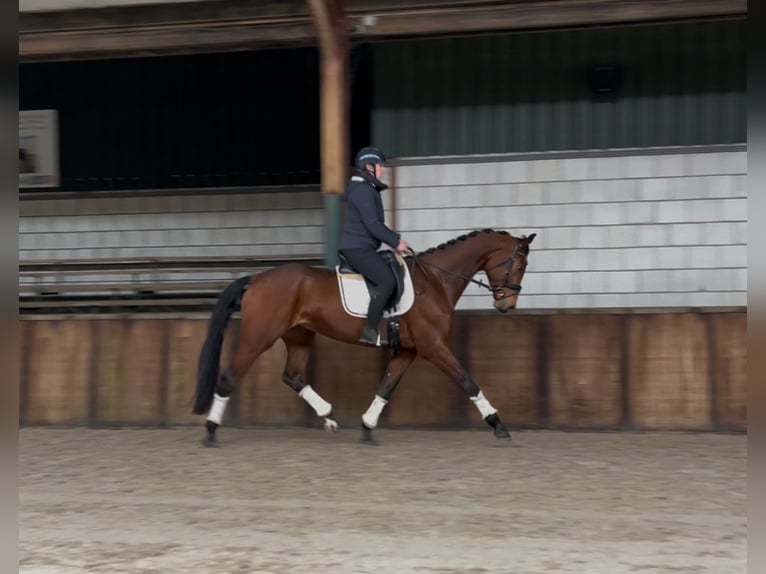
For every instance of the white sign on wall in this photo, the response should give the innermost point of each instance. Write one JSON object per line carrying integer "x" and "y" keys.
{"x": 38, "y": 148}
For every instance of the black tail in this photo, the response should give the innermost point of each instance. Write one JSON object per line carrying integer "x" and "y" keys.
{"x": 210, "y": 355}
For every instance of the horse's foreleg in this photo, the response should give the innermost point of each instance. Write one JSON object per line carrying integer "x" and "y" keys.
{"x": 441, "y": 356}
{"x": 397, "y": 366}
{"x": 298, "y": 342}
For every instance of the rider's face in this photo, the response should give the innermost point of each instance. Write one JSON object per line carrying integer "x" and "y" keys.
{"x": 376, "y": 169}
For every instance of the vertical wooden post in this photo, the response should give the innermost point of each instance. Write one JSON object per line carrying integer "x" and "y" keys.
{"x": 26, "y": 335}
{"x": 95, "y": 361}
{"x": 543, "y": 380}
{"x": 164, "y": 391}
{"x": 625, "y": 382}
{"x": 712, "y": 370}
{"x": 330, "y": 21}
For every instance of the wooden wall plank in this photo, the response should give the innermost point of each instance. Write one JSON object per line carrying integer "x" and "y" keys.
{"x": 669, "y": 369}
{"x": 130, "y": 371}
{"x": 505, "y": 362}
{"x": 585, "y": 354}
{"x": 59, "y": 372}
{"x": 677, "y": 364}
{"x": 23, "y": 361}
{"x": 425, "y": 397}
{"x": 186, "y": 338}
{"x": 730, "y": 349}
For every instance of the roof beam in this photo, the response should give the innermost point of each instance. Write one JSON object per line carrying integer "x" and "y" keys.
{"x": 230, "y": 25}
{"x": 492, "y": 16}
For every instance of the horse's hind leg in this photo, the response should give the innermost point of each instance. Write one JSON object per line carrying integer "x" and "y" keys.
{"x": 248, "y": 350}
{"x": 298, "y": 341}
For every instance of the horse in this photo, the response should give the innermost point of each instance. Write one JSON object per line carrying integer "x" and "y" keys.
{"x": 295, "y": 301}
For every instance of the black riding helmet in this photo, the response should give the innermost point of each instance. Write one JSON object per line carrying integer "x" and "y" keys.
{"x": 369, "y": 155}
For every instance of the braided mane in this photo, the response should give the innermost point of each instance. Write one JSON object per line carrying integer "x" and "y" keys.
{"x": 463, "y": 237}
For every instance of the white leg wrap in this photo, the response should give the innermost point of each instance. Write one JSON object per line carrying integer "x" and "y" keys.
{"x": 483, "y": 405}
{"x": 219, "y": 406}
{"x": 321, "y": 406}
{"x": 370, "y": 418}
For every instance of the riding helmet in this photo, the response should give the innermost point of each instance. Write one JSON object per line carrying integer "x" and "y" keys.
{"x": 369, "y": 155}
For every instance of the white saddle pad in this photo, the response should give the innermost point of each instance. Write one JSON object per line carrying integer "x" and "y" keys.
{"x": 356, "y": 296}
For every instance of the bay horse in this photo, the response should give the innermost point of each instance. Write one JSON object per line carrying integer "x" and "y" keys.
{"x": 295, "y": 301}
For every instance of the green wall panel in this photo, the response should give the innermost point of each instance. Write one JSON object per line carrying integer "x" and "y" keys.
{"x": 682, "y": 84}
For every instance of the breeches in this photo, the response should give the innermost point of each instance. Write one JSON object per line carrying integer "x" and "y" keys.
{"x": 374, "y": 268}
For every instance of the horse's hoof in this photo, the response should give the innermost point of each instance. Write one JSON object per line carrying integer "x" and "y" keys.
{"x": 498, "y": 428}
{"x": 210, "y": 428}
{"x": 507, "y": 443}
{"x": 367, "y": 436}
{"x": 210, "y": 439}
{"x": 330, "y": 425}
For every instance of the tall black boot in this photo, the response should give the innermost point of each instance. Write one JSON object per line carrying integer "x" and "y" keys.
{"x": 374, "y": 314}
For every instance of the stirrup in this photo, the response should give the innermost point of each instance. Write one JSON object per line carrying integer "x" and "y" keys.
{"x": 378, "y": 341}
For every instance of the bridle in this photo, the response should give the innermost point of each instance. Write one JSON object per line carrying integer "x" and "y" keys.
{"x": 497, "y": 289}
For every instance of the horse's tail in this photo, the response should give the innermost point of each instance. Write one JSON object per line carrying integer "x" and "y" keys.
{"x": 210, "y": 355}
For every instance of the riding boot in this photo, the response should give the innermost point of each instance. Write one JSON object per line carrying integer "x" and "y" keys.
{"x": 374, "y": 314}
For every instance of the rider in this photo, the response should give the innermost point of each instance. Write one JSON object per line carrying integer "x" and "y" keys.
{"x": 364, "y": 231}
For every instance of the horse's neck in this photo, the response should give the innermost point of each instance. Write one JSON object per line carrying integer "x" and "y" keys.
{"x": 461, "y": 261}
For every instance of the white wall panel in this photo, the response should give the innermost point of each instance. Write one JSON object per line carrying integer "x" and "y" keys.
{"x": 634, "y": 231}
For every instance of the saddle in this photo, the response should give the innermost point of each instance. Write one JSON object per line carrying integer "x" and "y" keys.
{"x": 396, "y": 266}
{"x": 355, "y": 292}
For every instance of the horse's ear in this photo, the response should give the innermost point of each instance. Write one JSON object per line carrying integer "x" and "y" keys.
{"x": 530, "y": 238}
